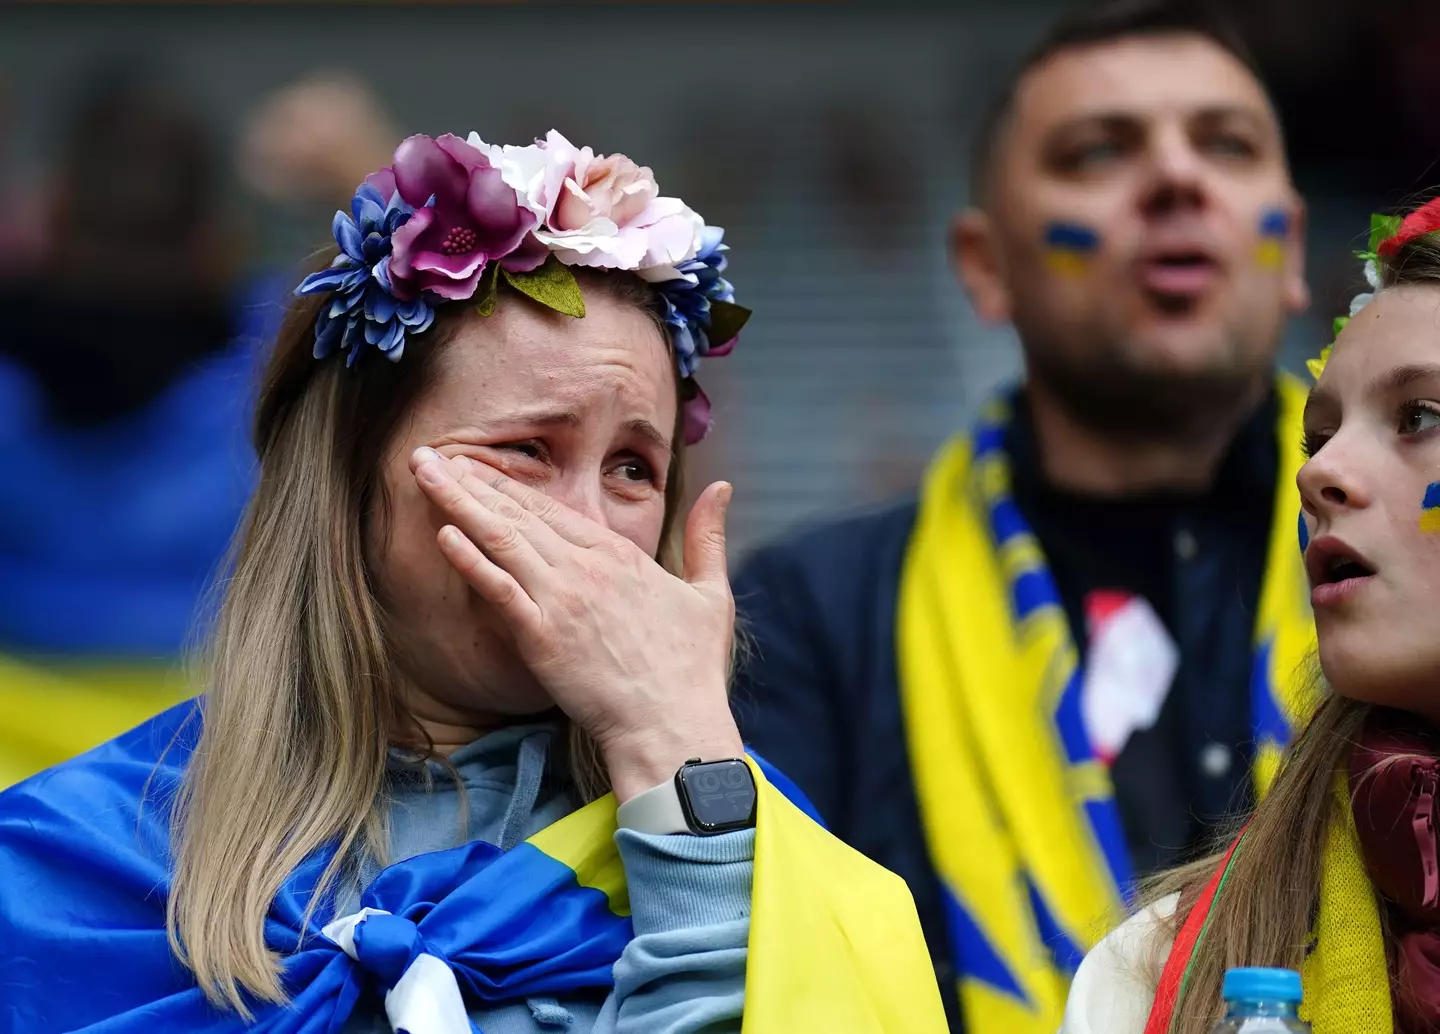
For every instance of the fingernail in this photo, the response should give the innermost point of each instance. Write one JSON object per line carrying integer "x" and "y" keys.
{"x": 723, "y": 496}
{"x": 424, "y": 454}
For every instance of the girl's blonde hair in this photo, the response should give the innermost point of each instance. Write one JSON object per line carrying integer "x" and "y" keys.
{"x": 301, "y": 704}
{"x": 1265, "y": 915}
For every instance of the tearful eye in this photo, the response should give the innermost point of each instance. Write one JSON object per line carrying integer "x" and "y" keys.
{"x": 633, "y": 470}
{"x": 531, "y": 450}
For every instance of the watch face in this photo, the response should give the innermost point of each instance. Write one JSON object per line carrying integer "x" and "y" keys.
{"x": 719, "y": 796}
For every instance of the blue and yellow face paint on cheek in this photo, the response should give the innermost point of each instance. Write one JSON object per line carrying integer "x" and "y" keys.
{"x": 1069, "y": 247}
{"x": 1304, "y": 535}
{"x": 1274, "y": 232}
{"x": 1430, "y": 509}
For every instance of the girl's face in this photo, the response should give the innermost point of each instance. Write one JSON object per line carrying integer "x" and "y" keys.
{"x": 1371, "y": 498}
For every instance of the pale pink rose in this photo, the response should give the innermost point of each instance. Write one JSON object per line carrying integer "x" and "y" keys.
{"x": 597, "y": 210}
{"x": 603, "y": 187}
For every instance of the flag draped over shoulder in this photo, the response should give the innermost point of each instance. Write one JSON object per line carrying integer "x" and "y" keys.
{"x": 834, "y": 944}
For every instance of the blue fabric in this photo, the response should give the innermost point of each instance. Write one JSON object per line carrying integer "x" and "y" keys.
{"x": 109, "y": 534}
{"x": 84, "y": 852}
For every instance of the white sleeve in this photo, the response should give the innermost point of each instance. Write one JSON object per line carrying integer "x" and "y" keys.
{"x": 1115, "y": 986}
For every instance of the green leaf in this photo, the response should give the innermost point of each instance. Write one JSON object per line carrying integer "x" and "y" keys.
{"x": 485, "y": 296}
{"x": 1383, "y": 227}
{"x": 552, "y": 285}
{"x": 726, "y": 320}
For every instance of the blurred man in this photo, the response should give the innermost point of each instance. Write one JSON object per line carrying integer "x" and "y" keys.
{"x": 1070, "y": 659}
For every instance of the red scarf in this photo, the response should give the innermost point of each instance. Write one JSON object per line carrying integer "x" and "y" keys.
{"x": 1395, "y": 781}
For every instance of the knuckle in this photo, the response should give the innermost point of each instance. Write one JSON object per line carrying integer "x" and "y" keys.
{"x": 506, "y": 538}
{"x": 509, "y": 509}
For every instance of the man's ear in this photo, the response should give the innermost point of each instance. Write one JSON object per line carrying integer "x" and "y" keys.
{"x": 975, "y": 257}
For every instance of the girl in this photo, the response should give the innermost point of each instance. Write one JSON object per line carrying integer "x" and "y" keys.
{"x": 1336, "y": 873}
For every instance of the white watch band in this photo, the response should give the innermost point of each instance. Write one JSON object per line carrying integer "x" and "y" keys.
{"x": 657, "y": 810}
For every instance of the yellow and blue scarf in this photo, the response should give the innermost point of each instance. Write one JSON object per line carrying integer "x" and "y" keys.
{"x": 1019, "y": 811}
{"x": 1346, "y": 977}
{"x": 835, "y": 944}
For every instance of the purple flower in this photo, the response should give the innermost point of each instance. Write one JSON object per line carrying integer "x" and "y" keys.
{"x": 688, "y": 302}
{"x": 463, "y": 217}
{"x": 363, "y": 308}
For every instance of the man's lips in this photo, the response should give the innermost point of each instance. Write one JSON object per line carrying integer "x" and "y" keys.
{"x": 1178, "y": 271}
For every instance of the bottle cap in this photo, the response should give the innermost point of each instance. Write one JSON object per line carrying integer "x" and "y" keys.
{"x": 1271, "y": 985}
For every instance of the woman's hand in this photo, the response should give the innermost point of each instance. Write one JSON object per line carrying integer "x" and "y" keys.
{"x": 637, "y": 657}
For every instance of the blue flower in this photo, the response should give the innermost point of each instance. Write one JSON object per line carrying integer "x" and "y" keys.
{"x": 688, "y": 300}
{"x": 363, "y": 308}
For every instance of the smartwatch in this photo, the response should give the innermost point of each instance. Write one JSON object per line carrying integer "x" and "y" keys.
{"x": 705, "y": 798}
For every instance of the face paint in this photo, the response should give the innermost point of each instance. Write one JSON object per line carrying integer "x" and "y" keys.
{"x": 1304, "y": 534}
{"x": 1430, "y": 509}
{"x": 1274, "y": 232}
{"x": 1069, "y": 247}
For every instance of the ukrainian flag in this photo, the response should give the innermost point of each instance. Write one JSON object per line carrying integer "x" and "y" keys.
{"x": 1068, "y": 248}
{"x": 1430, "y": 510}
{"x": 1274, "y": 232}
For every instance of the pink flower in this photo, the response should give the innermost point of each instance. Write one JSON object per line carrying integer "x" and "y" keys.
{"x": 598, "y": 210}
{"x": 465, "y": 216}
{"x": 606, "y": 187}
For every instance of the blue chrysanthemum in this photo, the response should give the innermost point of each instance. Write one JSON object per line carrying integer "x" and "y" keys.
{"x": 364, "y": 308}
{"x": 688, "y": 300}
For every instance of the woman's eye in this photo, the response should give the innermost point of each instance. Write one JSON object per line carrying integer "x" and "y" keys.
{"x": 1312, "y": 443}
{"x": 633, "y": 470}
{"x": 531, "y": 450}
{"x": 1419, "y": 417}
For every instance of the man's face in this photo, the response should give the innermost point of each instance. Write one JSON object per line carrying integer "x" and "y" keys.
{"x": 1141, "y": 230}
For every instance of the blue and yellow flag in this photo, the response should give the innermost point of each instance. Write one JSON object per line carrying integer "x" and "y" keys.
{"x": 835, "y": 944}
{"x": 1018, "y": 807}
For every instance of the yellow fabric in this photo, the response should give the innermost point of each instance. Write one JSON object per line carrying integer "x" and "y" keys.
{"x": 835, "y": 943}
{"x": 1013, "y": 824}
{"x": 51, "y": 712}
{"x": 1346, "y": 978}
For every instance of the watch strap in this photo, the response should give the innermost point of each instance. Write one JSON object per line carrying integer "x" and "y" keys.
{"x": 656, "y": 810}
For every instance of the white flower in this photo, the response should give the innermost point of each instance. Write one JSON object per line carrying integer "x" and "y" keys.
{"x": 598, "y": 210}
{"x": 1372, "y": 277}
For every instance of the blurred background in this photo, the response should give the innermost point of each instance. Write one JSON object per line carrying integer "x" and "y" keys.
{"x": 165, "y": 168}
{"x": 829, "y": 140}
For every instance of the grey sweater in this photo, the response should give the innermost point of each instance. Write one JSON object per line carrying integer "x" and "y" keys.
{"x": 689, "y": 896}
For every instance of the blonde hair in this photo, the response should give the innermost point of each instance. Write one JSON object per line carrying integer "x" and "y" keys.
{"x": 301, "y": 704}
{"x": 1265, "y": 914}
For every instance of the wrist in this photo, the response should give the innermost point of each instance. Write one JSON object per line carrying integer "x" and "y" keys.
{"x": 639, "y": 762}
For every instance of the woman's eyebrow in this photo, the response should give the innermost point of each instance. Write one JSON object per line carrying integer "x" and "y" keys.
{"x": 1401, "y": 376}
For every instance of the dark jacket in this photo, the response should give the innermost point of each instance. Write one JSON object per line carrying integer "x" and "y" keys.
{"x": 818, "y": 693}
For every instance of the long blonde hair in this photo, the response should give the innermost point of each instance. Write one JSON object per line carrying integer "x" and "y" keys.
{"x": 1264, "y": 916}
{"x": 301, "y": 704}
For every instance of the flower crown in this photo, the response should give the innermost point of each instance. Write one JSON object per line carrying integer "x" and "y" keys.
{"x": 450, "y": 219}
{"x": 1388, "y": 234}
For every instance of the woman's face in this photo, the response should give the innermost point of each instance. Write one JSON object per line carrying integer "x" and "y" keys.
{"x": 1371, "y": 496}
{"x": 583, "y": 410}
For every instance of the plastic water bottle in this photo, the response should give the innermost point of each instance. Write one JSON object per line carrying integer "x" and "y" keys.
{"x": 1261, "y": 1001}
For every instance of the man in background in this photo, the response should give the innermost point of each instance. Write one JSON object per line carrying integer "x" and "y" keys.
{"x": 1069, "y": 660}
